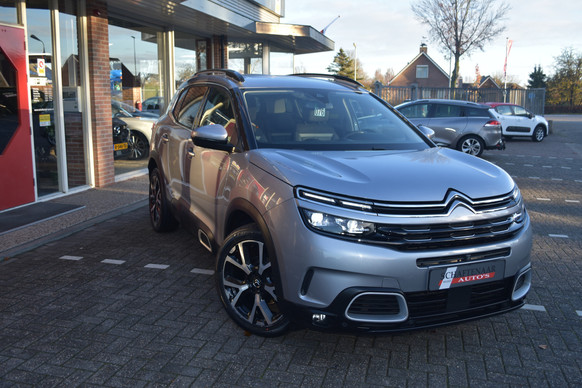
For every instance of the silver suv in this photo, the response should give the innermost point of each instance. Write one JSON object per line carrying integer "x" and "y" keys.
{"x": 466, "y": 126}
{"x": 326, "y": 208}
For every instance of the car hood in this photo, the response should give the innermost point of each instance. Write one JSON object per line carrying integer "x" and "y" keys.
{"x": 143, "y": 124}
{"x": 402, "y": 176}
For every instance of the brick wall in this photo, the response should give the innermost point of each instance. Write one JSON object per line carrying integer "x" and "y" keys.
{"x": 220, "y": 52}
{"x": 100, "y": 93}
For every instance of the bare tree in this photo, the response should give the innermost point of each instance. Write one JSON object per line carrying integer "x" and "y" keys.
{"x": 461, "y": 26}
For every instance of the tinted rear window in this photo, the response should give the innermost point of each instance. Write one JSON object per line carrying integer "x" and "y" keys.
{"x": 476, "y": 112}
{"x": 445, "y": 110}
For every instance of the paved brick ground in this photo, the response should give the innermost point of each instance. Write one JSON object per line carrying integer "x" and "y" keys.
{"x": 100, "y": 308}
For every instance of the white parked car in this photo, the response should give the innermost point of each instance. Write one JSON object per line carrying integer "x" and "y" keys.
{"x": 140, "y": 125}
{"x": 518, "y": 121}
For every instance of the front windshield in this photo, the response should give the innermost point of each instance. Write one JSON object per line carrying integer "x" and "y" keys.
{"x": 318, "y": 119}
{"x": 118, "y": 111}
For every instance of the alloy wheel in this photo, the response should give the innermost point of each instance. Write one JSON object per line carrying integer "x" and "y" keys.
{"x": 245, "y": 281}
{"x": 472, "y": 146}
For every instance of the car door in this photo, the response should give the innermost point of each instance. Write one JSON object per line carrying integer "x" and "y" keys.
{"x": 205, "y": 169}
{"x": 448, "y": 123}
{"x": 523, "y": 122}
{"x": 175, "y": 141}
{"x": 505, "y": 115}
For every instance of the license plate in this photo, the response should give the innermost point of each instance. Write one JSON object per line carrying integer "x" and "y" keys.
{"x": 465, "y": 275}
{"x": 120, "y": 146}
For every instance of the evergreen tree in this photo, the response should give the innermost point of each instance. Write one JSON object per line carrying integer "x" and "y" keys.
{"x": 537, "y": 79}
{"x": 342, "y": 64}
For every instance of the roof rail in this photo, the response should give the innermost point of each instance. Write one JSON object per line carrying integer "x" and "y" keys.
{"x": 235, "y": 75}
{"x": 330, "y": 76}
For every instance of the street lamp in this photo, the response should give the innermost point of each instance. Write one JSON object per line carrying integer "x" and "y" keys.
{"x": 37, "y": 38}
{"x": 134, "y": 59}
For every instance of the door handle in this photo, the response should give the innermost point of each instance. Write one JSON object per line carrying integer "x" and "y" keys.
{"x": 165, "y": 138}
{"x": 191, "y": 153}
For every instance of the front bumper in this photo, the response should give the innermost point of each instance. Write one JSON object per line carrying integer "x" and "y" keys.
{"x": 322, "y": 277}
{"x": 373, "y": 307}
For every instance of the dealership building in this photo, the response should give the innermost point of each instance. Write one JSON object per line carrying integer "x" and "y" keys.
{"x": 64, "y": 63}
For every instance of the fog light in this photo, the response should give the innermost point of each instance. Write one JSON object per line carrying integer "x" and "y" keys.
{"x": 319, "y": 318}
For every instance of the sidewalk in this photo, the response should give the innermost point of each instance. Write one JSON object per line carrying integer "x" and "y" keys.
{"x": 99, "y": 204}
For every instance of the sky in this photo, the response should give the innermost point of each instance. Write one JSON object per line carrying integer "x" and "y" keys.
{"x": 388, "y": 36}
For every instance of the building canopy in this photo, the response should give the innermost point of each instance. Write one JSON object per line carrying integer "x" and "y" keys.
{"x": 206, "y": 19}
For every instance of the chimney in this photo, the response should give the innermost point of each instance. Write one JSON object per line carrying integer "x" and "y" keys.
{"x": 423, "y": 48}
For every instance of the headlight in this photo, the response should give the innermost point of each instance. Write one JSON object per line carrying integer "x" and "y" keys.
{"x": 337, "y": 225}
{"x": 518, "y": 216}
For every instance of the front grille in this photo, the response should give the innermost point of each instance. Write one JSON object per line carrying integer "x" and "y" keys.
{"x": 406, "y": 237}
{"x": 465, "y": 258}
{"x": 436, "y": 306}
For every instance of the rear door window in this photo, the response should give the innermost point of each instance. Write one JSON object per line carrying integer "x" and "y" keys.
{"x": 188, "y": 105}
{"x": 504, "y": 110}
{"x": 446, "y": 110}
{"x": 415, "y": 111}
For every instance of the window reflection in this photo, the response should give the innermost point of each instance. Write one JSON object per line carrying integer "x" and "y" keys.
{"x": 246, "y": 58}
{"x": 136, "y": 87}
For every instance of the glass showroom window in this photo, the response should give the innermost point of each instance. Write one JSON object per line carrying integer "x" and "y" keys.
{"x": 72, "y": 91}
{"x": 246, "y": 58}
{"x": 44, "y": 124}
{"x": 190, "y": 55}
{"x": 136, "y": 85}
{"x": 8, "y": 13}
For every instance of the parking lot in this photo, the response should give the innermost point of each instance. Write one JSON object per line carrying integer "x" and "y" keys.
{"x": 118, "y": 305}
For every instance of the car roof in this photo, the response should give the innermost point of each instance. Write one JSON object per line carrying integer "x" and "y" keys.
{"x": 445, "y": 101}
{"x": 258, "y": 81}
{"x": 494, "y": 104}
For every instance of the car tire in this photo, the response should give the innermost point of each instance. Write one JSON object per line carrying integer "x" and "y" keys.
{"x": 138, "y": 146}
{"x": 471, "y": 145}
{"x": 538, "y": 134}
{"x": 246, "y": 283}
{"x": 161, "y": 217}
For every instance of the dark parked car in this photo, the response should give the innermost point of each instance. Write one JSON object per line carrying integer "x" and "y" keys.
{"x": 324, "y": 207}
{"x": 463, "y": 125}
{"x": 120, "y": 139}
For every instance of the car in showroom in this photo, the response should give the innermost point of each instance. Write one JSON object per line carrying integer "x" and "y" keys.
{"x": 121, "y": 138}
{"x": 463, "y": 125}
{"x": 516, "y": 121}
{"x": 325, "y": 208}
{"x": 140, "y": 126}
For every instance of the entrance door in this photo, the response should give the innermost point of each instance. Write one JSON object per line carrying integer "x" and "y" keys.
{"x": 16, "y": 171}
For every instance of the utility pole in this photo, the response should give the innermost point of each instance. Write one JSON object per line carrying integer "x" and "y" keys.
{"x": 355, "y": 62}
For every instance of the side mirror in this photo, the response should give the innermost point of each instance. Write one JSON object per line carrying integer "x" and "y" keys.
{"x": 426, "y": 131}
{"x": 212, "y": 136}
